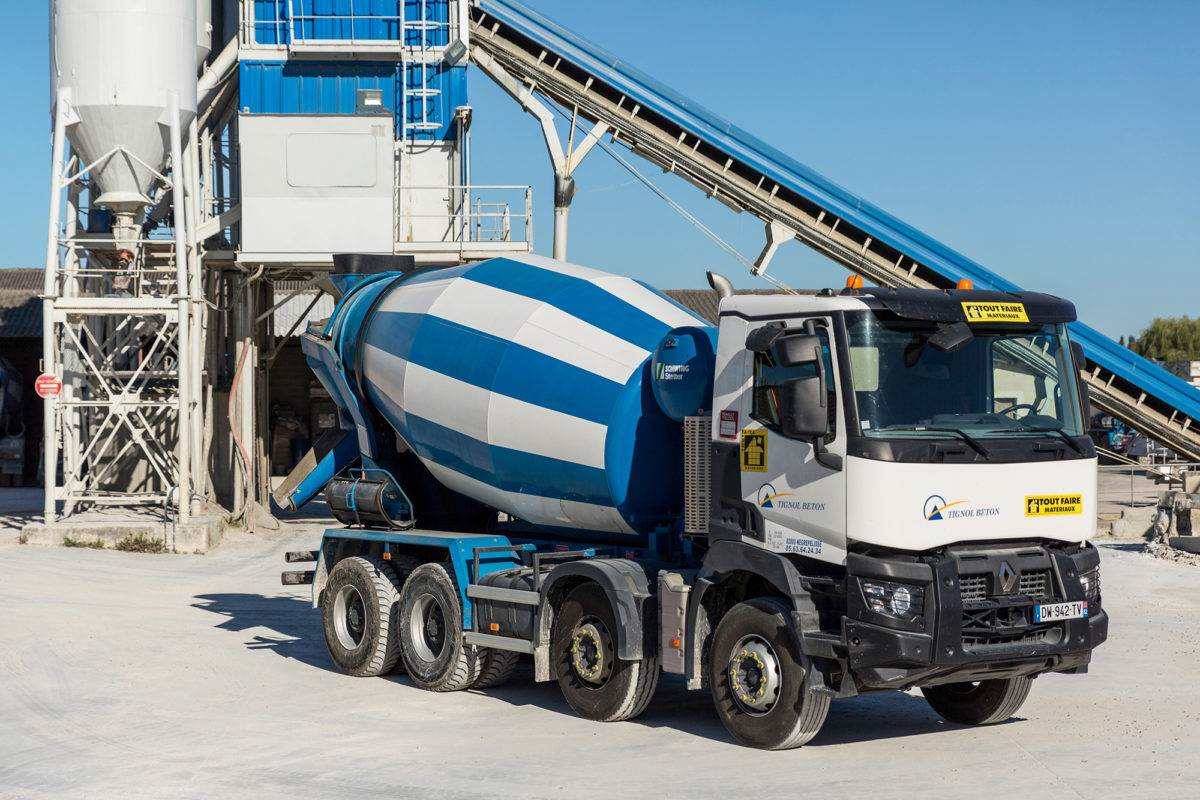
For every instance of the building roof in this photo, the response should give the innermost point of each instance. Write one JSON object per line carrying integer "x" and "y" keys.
{"x": 20, "y": 304}
{"x": 703, "y": 302}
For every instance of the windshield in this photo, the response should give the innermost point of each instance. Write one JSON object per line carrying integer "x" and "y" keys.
{"x": 1007, "y": 380}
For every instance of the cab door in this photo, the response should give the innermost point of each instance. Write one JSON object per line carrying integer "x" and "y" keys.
{"x": 802, "y": 501}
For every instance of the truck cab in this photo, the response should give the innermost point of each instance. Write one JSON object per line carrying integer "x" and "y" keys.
{"x": 920, "y": 459}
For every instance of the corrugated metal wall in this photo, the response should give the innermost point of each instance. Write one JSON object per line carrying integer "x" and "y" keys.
{"x": 329, "y": 87}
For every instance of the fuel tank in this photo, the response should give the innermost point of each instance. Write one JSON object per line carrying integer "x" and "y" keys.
{"x": 527, "y": 384}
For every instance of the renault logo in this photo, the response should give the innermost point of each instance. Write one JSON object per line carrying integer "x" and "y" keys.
{"x": 1008, "y": 577}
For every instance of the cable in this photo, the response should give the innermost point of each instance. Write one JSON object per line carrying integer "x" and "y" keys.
{"x": 683, "y": 212}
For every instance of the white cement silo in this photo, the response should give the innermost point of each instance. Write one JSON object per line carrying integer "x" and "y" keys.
{"x": 121, "y": 68}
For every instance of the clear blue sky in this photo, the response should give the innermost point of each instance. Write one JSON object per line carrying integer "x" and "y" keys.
{"x": 1055, "y": 143}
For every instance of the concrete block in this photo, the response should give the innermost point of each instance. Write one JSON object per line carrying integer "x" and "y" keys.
{"x": 201, "y": 534}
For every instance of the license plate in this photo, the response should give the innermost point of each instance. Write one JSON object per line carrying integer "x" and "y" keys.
{"x": 1056, "y": 611}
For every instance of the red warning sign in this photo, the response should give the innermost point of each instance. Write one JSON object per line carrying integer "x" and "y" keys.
{"x": 47, "y": 385}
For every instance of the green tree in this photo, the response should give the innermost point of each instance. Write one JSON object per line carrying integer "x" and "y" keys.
{"x": 1173, "y": 339}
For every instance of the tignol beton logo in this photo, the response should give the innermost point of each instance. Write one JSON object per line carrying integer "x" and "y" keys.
{"x": 936, "y": 508}
{"x": 769, "y": 498}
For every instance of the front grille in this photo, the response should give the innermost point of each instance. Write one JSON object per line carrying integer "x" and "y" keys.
{"x": 981, "y": 644}
{"x": 974, "y": 587}
{"x": 1034, "y": 583}
{"x": 988, "y": 626}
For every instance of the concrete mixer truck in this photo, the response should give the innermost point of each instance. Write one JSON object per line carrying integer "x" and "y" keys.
{"x": 828, "y": 493}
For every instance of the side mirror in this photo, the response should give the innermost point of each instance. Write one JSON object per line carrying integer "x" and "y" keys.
{"x": 798, "y": 349}
{"x": 802, "y": 410}
{"x": 1085, "y": 400}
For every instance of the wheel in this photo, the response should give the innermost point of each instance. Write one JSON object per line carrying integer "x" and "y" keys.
{"x": 431, "y": 632}
{"x": 498, "y": 666}
{"x": 596, "y": 684}
{"x": 358, "y": 616}
{"x": 403, "y": 567}
{"x": 979, "y": 703}
{"x": 1030, "y": 407}
{"x": 757, "y": 675}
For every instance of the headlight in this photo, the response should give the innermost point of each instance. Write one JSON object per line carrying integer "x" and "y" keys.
{"x": 898, "y": 600}
{"x": 1090, "y": 581}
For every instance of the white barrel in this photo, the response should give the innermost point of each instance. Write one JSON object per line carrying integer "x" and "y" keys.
{"x": 117, "y": 62}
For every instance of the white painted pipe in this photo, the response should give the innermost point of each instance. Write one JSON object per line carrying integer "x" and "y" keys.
{"x": 183, "y": 365}
{"x": 49, "y": 291}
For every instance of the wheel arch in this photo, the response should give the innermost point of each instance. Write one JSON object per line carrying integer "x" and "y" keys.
{"x": 628, "y": 592}
{"x": 732, "y": 573}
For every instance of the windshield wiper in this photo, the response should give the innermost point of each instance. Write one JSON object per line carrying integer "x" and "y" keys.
{"x": 975, "y": 445}
{"x": 1056, "y": 431}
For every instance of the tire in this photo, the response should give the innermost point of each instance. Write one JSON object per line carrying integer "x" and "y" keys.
{"x": 403, "y": 567}
{"x": 595, "y": 683}
{"x": 358, "y": 615}
{"x": 980, "y": 703}
{"x": 498, "y": 666}
{"x": 754, "y": 647}
{"x": 431, "y": 632}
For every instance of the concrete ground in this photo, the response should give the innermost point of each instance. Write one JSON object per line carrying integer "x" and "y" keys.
{"x": 147, "y": 676}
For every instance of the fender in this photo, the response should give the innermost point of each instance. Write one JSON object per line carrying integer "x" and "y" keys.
{"x": 729, "y": 556}
{"x": 625, "y": 585}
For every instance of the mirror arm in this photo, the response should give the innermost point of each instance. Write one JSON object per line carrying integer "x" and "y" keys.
{"x": 825, "y": 458}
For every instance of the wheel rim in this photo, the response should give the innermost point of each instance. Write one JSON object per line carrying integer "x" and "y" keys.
{"x": 427, "y": 627}
{"x": 591, "y": 649}
{"x": 754, "y": 675}
{"x": 349, "y": 617}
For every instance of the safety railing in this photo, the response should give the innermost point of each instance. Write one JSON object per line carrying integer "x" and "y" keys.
{"x": 475, "y": 214}
{"x": 361, "y": 23}
{"x": 1138, "y": 485}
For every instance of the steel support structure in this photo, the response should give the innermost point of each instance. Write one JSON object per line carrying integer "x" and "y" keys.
{"x": 122, "y": 338}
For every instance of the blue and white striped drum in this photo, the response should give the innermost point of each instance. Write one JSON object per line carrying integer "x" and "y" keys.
{"x": 525, "y": 384}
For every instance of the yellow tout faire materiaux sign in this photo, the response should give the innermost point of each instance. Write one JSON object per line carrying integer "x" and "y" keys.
{"x": 1053, "y": 505}
{"x": 995, "y": 312}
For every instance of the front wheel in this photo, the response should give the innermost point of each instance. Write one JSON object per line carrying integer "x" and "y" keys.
{"x": 757, "y": 676}
{"x": 596, "y": 684}
{"x": 978, "y": 703}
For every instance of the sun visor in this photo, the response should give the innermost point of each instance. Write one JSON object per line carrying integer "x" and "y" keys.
{"x": 974, "y": 306}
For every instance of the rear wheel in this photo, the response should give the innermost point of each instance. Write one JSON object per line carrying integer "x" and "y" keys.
{"x": 431, "y": 632}
{"x": 358, "y": 616}
{"x": 595, "y": 683}
{"x": 403, "y": 567}
{"x": 978, "y": 703}
{"x": 498, "y": 666}
{"x": 757, "y": 676}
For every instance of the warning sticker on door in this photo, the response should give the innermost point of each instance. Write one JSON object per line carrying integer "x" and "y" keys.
{"x": 995, "y": 312}
{"x": 754, "y": 451}
{"x": 1053, "y": 505}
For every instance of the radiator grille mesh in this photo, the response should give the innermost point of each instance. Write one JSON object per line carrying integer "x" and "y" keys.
{"x": 697, "y": 473}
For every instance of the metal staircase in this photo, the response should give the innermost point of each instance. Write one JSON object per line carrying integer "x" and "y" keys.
{"x": 746, "y": 174}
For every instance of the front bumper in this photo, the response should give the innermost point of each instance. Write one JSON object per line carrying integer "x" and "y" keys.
{"x": 971, "y": 628}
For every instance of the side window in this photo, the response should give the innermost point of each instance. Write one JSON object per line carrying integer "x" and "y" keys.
{"x": 769, "y": 377}
{"x": 1025, "y": 376}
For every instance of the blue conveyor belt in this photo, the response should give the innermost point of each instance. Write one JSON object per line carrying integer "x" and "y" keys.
{"x": 1141, "y": 373}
